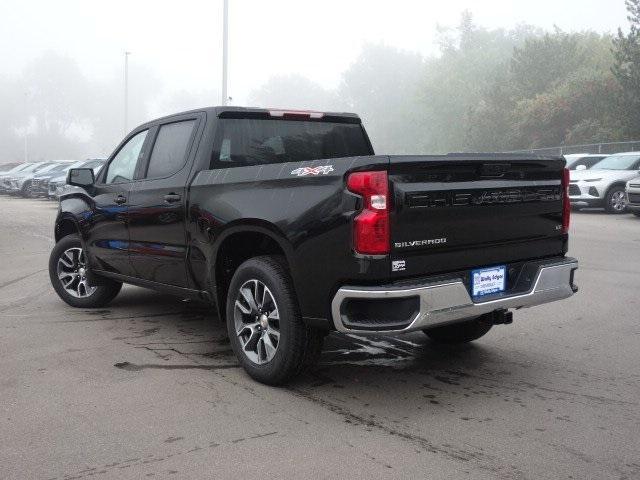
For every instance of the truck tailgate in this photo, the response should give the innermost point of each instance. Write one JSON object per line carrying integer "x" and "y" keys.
{"x": 457, "y": 212}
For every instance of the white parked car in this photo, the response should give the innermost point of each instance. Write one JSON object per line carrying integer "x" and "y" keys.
{"x": 603, "y": 185}
{"x": 633, "y": 196}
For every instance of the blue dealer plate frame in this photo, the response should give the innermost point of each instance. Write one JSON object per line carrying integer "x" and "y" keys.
{"x": 489, "y": 280}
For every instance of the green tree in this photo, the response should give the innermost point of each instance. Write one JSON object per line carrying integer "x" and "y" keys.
{"x": 558, "y": 89}
{"x": 543, "y": 62}
{"x": 65, "y": 113}
{"x": 466, "y": 95}
{"x": 12, "y": 121}
{"x": 381, "y": 86}
{"x": 293, "y": 91}
{"x": 626, "y": 69}
{"x": 574, "y": 112}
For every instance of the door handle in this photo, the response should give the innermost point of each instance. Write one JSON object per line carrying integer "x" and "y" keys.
{"x": 120, "y": 199}
{"x": 172, "y": 197}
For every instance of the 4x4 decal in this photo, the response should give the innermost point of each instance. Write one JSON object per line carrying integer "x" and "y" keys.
{"x": 306, "y": 171}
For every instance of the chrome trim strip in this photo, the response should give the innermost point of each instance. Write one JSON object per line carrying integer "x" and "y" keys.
{"x": 448, "y": 302}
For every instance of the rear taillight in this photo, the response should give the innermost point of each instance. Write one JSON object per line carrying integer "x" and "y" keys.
{"x": 371, "y": 225}
{"x": 566, "y": 203}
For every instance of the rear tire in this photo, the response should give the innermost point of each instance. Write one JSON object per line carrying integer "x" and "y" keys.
{"x": 464, "y": 332}
{"x": 67, "y": 272}
{"x": 265, "y": 327}
{"x": 637, "y": 214}
{"x": 614, "y": 200}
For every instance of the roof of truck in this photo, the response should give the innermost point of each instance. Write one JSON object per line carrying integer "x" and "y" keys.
{"x": 251, "y": 112}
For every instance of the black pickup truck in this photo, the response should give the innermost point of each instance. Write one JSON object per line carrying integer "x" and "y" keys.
{"x": 290, "y": 224}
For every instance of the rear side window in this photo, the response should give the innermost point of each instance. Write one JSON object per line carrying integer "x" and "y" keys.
{"x": 170, "y": 149}
{"x": 243, "y": 142}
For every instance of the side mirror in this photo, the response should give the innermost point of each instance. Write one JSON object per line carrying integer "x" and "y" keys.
{"x": 80, "y": 177}
{"x": 581, "y": 167}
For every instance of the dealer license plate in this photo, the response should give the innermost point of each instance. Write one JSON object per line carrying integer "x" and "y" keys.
{"x": 485, "y": 281}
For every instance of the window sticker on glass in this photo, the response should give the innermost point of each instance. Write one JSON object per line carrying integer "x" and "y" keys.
{"x": 225, "y": 150}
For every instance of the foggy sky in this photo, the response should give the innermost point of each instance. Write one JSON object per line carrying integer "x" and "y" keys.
{"x": 180, "y": 42}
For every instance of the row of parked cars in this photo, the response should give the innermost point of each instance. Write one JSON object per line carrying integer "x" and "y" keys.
{"x": 42, "y": 179}
{"x": 611, "y": 182}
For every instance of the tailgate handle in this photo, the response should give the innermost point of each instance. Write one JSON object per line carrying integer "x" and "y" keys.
{"x": 494, "y": 169}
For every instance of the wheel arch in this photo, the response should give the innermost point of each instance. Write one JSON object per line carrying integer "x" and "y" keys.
{"x": 65, "y": 225}
{"x": 240, "y": 242}
{"x": 617, "y": 183}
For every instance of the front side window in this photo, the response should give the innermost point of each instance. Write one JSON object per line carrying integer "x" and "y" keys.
{"x": 123, "y": 165}
{"x": 590, "y": 162}
{"x": 170, "y": 149}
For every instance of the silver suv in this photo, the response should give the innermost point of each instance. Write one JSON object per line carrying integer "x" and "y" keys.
{"x": 633, "y": 196}
{"x": 603, "y": 185}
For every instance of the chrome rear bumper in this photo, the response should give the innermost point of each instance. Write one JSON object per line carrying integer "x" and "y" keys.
{"x": 447, "y": 302}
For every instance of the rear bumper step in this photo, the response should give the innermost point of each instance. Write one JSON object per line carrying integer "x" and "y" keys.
{"x": 404, "y": 309}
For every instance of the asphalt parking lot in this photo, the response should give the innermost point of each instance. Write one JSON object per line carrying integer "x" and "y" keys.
{"x": 148, "y": 387}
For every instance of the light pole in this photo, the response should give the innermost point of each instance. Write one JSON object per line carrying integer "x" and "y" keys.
{"x": 225, "y": 49}
{"x": 126, "y": 91}
{"x": 26, "y": 127}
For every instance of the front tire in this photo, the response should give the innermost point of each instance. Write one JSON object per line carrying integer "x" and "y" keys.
{"x": 27, "y": 190}
{"x": 67, "y": 272}
{"x": 615, "y": 200}
{"x": 463, "y": 332}
{"x": 265, "y": 327}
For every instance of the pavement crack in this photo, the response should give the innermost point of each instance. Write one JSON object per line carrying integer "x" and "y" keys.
{"x": 16, "y": 280}
{"x": 422, "y": 442}
{"x": 133, "y": 367}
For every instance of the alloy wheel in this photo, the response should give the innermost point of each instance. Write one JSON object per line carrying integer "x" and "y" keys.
{"x": 72, "y": 273}
{"x": 257, "y": 321}
{"x": 618, "y": 201}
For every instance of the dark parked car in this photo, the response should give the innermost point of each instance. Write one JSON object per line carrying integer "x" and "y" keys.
{"x": 39, "y": 186}
{"x": 14, "y": 183}
{"x": 290, "y": 224}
